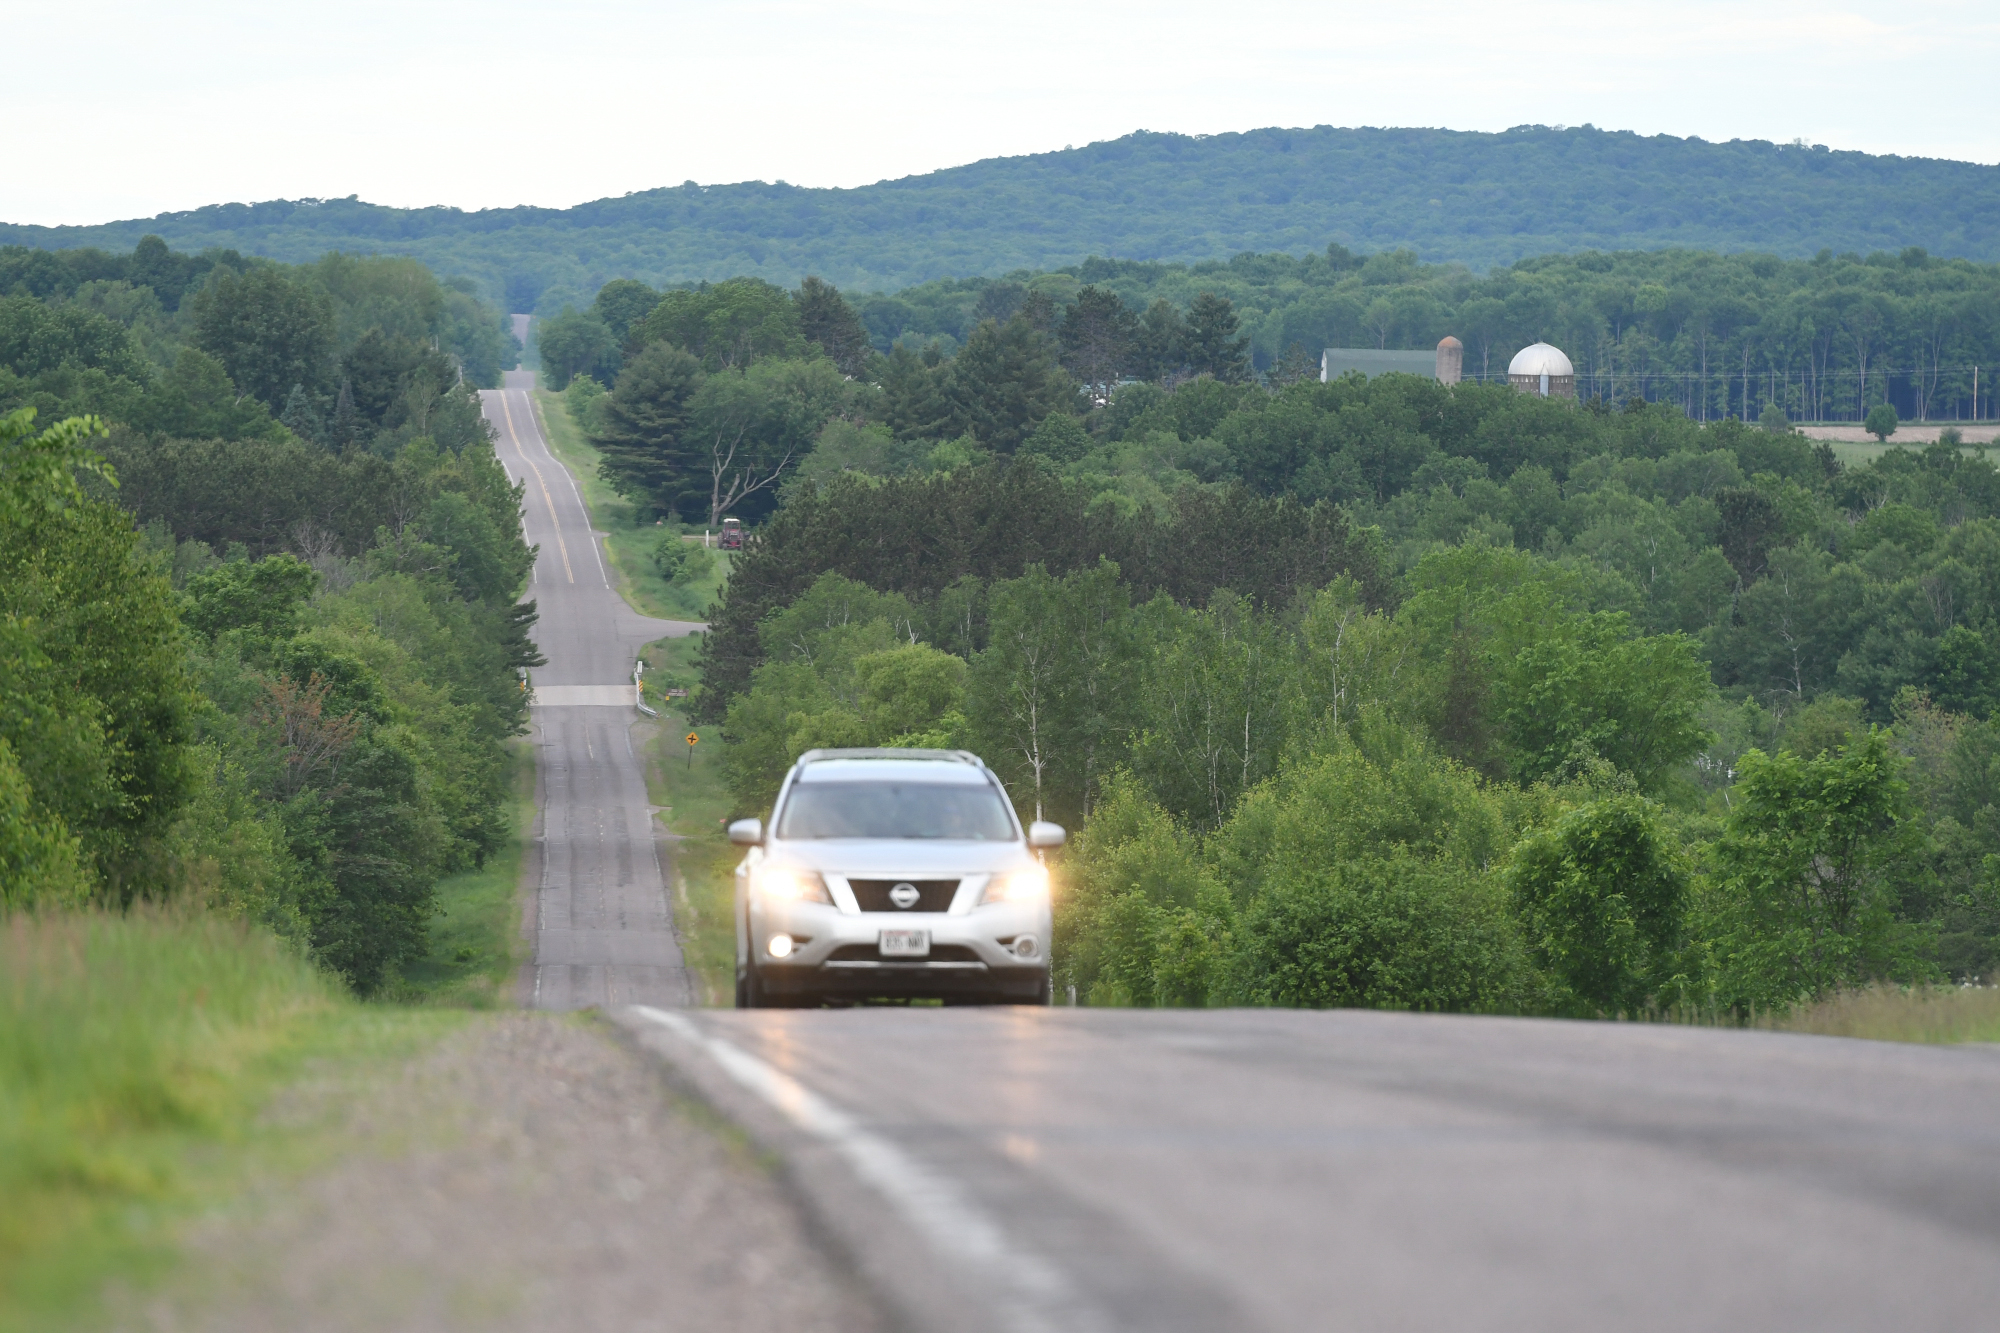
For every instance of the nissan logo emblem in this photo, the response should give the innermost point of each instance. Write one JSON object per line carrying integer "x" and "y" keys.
{"x": 904, "y": 896}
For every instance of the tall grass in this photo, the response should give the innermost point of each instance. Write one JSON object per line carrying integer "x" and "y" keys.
{"x": 123, "y": 1040}
{"x": 1899, "y": 1013}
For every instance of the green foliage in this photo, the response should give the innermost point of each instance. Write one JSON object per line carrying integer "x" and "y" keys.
{"x": 262, "y": 596}
{"x": 271, "y": 331}
{"x": 1048, "y": 705}
{"x": 1587, "y": 688}
{"x": 843, "y": 670}
{"x": 39, "y": 862}
{"x": 1602, "y": 895}
{"x": 576, "y": 342}
{"x": 1818, "y": 856}
{"x": 1881, "y": 421}
{"x": 681, "y": 561}
{"x": 1005, "y": 382}
{"x": 829, "y": 322}
{"x": 727, "y": 325}
{"x": 94, "y": 698}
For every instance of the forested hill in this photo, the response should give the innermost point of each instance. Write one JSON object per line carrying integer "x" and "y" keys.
{"x": 1482, "y": 199}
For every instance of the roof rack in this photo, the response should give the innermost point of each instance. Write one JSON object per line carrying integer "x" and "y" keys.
{"x": 891, "y": 752}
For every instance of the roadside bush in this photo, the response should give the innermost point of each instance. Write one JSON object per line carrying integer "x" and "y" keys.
{"x": 682, "y": 562}
{"x": 1602, "y": 897}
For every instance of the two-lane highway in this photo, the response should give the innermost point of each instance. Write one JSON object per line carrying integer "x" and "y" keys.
{"x": 601, "y": 920}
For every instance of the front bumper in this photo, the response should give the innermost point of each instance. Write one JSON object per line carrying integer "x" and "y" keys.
{"x": 973, "y": 953}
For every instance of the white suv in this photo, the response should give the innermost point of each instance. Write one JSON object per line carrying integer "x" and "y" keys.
{"x": 892, "y": 874}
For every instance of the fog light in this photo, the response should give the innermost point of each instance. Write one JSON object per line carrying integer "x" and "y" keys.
{"x": 780, "y": 946}
{"x": 1026, "y": 946}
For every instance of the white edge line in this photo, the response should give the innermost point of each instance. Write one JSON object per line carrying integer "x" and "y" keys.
{"x": 934, "y": 1205}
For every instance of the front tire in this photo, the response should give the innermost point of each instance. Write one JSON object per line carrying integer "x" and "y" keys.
{"x": 749, "y": 990}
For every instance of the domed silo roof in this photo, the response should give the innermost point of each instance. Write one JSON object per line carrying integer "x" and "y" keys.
{"x": 1449, "y": 341}
{"x": 1540, "y": 359}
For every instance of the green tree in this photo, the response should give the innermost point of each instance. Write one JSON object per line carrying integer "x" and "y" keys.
{"x": 94, "y": 696}
{"x": 645, "y": 427}
{"x": 1211, "y": 341}
{"x": 1004, "y": 382}
{"x": 1097, "y": 333}
{"x": 622, "y": 303}
{"x": 829, "y": 322}
{"x": 270, "y": 329}
{"x": 1809, "y": 874}
{"x": 1047, "y": 701}
{"x": 1881, "y": 421}
{"x": 727, "y": 325}
{"x": 1603, "y": 898}
{"x": 1159, "y": 343}
{"x": 577, "y": 342}
{"x": 1589, "y": 687}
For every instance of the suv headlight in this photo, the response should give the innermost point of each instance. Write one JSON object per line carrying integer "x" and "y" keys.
{"x": 1018, "y": 886}
{"x": 785, "y": 885}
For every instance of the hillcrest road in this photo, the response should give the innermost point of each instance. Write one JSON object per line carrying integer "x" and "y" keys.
{"x": 601, "y": 921}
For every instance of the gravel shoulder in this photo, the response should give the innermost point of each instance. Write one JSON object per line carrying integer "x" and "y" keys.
{"x": 528, "y": 1172}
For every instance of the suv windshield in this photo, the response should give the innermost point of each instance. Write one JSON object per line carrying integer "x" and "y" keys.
{"x": 895, "y": 810}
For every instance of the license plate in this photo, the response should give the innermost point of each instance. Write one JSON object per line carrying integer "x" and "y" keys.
{"x": 904, "y": 944}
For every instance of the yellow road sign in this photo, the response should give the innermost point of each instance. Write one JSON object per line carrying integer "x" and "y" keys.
{"x": 692, "y": 738}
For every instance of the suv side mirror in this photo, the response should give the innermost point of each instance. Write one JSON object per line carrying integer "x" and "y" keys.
{"x": 1043, "y": 834}
{"x": 747, "y": 832}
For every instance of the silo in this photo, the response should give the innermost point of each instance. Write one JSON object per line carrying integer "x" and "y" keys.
{"x": 1451, "y": 360}
{"x": 1543, "y": 370}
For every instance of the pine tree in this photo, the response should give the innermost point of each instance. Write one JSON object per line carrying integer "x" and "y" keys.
{"x": 1005, "y": 381}
{"x": 302, "y": 418}
{"x": 1097, "y": 335}
{"x": 826, "y": 318}
{"x": 1212, "y": 345}
{"x": 1159, "y": 345}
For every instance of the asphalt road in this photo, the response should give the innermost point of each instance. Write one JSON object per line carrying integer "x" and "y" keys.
{"x": 1104, "y": 1170}
{"x": 601, "y": 918}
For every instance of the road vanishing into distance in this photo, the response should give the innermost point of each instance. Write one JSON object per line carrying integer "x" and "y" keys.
{"x": 1039, "y": 1170}
{"x": 601, "y": 922}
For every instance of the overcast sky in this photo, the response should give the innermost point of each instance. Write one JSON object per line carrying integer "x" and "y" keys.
{"x": 117, "y": 109}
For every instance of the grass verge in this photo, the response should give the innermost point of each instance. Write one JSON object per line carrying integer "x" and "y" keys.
{"x": 1897, "y": 1013}
{"x": 630, "y": 535}
{"x": 475, "y": 940}
{"x": 136, "y": 1052}
{"x": 686, "y": 783}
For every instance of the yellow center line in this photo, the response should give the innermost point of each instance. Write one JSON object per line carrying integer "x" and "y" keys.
{"x": 547, "y": 499}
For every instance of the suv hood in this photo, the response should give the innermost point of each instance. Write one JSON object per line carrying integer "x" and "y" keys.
{"x": 912, "y": 857}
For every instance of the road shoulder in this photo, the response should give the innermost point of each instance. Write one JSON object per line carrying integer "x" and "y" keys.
{"x": 526, "y": 1172}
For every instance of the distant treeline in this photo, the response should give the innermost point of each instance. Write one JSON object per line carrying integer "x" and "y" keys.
{"x": 347, "y": 351}
{"x": 1717, "y": 335}
{"x": 1475, "y": 199}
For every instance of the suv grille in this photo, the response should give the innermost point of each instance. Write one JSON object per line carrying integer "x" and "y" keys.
{"x": 933, "y": 895}
{"x": 868, "y": 953}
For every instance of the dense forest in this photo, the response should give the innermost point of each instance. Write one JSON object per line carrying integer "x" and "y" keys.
{"x": 259, "y": 640}
{"x": 1823, "y": 339}
{"x": 1364, "y": 692}
{"x": 1476, "y": 199}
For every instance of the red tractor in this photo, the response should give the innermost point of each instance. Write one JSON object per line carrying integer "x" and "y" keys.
{"x": 732, "y": 534}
